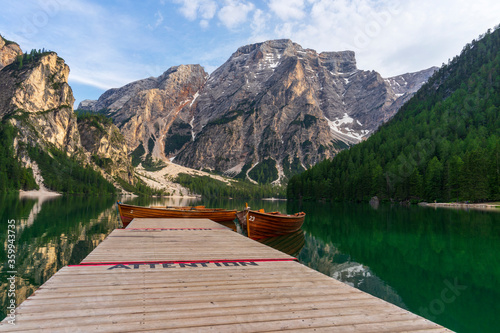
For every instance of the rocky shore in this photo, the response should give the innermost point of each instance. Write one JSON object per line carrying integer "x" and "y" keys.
{"x": 489, "y": 206}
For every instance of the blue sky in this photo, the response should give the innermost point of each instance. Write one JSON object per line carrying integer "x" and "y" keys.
{"x": 108, "y": 44}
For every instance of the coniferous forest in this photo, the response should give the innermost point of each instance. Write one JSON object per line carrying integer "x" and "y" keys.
{"x": 67, "y": 175}
{"x": 213, "y": 188}
{"x": 12, "y": 174}
{"x": 443, "y": 144}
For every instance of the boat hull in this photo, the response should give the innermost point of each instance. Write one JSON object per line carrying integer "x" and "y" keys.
{"x": 129, "y": 212}
{"x": 264, "y": 225}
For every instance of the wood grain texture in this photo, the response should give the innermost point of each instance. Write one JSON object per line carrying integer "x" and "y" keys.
{"x": 261, "y": 225}
{"x": 205, "y": 294}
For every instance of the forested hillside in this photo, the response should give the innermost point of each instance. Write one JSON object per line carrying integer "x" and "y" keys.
{"x": 12, "y": 174}
{"x": 444, "y": 144}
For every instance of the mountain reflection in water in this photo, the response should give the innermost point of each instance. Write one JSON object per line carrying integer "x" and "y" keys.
{"x": 408, "y": 256}
{"x": 50, "y": 234}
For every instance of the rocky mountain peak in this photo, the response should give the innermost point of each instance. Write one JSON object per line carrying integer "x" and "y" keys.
{"x": 176, "y": 77}
{"x": 270, "y": 46}
{"x": 410, "y": 82}
{"x": 114, "y": 99}
{"x": 87, "y": 104}
{"x": 272, "y": 109}
{"x": 34, "y": 91}
{"x": 8, "y": 52}
{"x": 149, "y": 108}
{"x": 45, "y": 85}
{"x": 276, "y": 103}
{"x": 269, "y": 53}
{"x": 343, "y": 61}
{"x": 36, "y": 99}
{"x": 36, "y": 84}
{"x": 339, "y": 62}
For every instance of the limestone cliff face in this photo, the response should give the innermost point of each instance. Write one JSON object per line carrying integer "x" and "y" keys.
{"x": 404, "y": 87}
{"x": 114, "y": 99}
{"x": 145, "y": 110}
{"x": 37, "y": 98}
{"x": 106, "y": 146}
{"x": 8, "y": 52}
{"x": 161, "y": 107}
{"x": 262, "y": 104}
{"x": 278, "y": 101}
{"x": 271, "y": 103}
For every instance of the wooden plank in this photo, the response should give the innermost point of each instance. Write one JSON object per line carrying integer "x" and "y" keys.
{"x": 296, "y": 269}
{"x": 173, "y": 223}
{"x": 216, "y": 317}
{"x": 186, "y": 300}
{"x": 209, "y": 311}
{"x": 178, "y": 244}
{"x": 195, "y": 276}
{"x": 275, "y": 321}
{"x": 332, "y": 301}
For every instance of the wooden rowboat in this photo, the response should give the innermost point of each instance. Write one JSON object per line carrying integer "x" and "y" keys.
{"x": 263, "y": 225}
{"x": 129, "y": 212}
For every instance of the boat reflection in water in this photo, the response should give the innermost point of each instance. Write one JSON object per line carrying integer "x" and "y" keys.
{"x": 231, "y": 225}
{"x": 290, "y": 244}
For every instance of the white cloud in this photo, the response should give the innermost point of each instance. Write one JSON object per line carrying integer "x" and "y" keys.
{"x": 95, "y": 81}
{"x": 288, "y": 9}
{"x": 234, "y": 13}
{"x": 204, "y": 24}
{"x": 260, "y": 26}
{"x": 192, "y": 9}
{"x": 207, "y": 9}
{"x": 99, "y": 45}
{"x": 159, "y": 20}
{"x": 389, "y": 36}
{"x": 189, "y": 9}
{"x": 108, "y": 46}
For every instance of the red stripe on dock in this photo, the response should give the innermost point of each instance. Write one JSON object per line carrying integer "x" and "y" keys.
{"x": 179, "y": 262}
{"x": 175, "y": 228}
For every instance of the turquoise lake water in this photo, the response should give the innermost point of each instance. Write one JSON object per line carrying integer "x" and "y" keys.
{"x": 442, "y": 264}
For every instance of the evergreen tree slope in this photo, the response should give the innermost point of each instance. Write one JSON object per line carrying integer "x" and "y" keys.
{"x": 444, "y": 144}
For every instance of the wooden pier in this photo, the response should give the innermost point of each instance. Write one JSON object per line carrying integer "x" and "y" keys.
{"x": 199, "y": 276}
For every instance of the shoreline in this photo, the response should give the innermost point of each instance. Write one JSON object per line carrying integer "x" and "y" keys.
{"x": 487, "y": 206}
{"x": 38, "y": 194}
{"x": 162, "y": 196}
{"x": 273, "y": 199}
{"x": 48, "y": 194}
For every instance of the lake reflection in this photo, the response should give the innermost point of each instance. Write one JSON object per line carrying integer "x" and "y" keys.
{"x": 290, "y": 244}
{"x": 50, "y": 233}
{"x": 442, "y": 264}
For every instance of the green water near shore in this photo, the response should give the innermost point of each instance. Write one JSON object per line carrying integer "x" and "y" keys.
{"x": 442, "y": 264}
